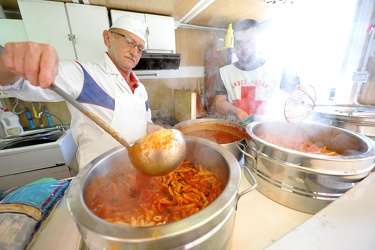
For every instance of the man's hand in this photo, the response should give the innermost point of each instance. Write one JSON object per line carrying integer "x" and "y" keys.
{"x": 37, "y": 63}
{"x": 241, "y": 115}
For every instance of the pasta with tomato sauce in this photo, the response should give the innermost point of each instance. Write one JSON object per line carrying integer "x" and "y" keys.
{"x": 183, "y": 192}
{"x": 297, "y": 144}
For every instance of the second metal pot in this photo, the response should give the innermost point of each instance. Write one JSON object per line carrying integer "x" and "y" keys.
{"x": 302, "y": 181}
{"x": 208, "y": 124}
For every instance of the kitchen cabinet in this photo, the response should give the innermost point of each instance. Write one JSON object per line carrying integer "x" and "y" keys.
{"x": 75, "y": 30}
{"x": 213, "y": 61}
{"x": 12, "y": 31}
{"x": 160, "y": 30}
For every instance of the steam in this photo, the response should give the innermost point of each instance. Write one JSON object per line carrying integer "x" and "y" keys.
{"x": 315, "y": 46}
{"x": 345, "y": 143}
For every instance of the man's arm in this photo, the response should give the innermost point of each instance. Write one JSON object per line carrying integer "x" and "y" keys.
{"x": 221, "y": 103}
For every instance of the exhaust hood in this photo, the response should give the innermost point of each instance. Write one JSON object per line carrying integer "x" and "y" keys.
{"x": 158, "y": 61}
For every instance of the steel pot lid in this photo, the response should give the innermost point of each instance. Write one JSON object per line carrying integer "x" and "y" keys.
{"x": 348, "y": 113}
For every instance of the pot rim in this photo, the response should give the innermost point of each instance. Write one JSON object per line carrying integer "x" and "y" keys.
{"x": 194, "y": 124}
{"x": 85, "y": 218}
{"x": 370, "y": 153}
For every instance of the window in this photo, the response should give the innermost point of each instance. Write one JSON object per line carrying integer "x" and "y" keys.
{"x": 322, "y": 40}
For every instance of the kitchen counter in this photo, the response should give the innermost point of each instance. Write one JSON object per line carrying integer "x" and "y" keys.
{"x": 347, "y": 223}
{"x": 262, "y": 223}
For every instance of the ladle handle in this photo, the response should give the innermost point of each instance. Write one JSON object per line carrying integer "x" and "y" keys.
{"x": 91, "y": 115}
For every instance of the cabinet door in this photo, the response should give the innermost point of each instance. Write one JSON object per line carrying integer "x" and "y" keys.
{"x": 46, "y": 22}
{"x": 87, "y": 24}
{"x": 12, "y": 31}
{"x": 161, "y": 34}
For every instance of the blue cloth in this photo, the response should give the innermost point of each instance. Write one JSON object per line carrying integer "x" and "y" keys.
{"x": 92, "y": 94}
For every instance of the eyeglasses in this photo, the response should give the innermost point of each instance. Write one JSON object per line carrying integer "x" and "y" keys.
{"x": 246, "y": 43}
{"x": 130, "y": 43}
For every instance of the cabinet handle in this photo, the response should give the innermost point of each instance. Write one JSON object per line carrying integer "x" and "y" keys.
{"x": 72, "y": 38}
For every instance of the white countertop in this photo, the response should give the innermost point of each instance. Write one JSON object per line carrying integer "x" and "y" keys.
{"x": 347, "y": 223}
{"x": 260, "y": 221}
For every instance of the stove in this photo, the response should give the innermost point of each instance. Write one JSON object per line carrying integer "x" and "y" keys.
{"x": 34, "y": 155}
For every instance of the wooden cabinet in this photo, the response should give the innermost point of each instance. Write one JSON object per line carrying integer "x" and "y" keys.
{"x": 213, "y": 61}
{"x": 75, "y": 30}
{"x": 160, "y": 31}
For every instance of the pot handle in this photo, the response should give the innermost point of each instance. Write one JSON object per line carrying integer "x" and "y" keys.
{"x": 250, "y": 188}
{"x": 239, "y": 145}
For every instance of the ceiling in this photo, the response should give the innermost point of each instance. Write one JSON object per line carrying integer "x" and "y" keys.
{"x": 209, "y": 13}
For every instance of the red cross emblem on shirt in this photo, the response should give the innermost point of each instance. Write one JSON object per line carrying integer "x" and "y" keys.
{"x": 248, "y": 102}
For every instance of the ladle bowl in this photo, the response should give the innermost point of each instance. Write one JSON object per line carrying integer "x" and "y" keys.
{"x": 158, "y": 153}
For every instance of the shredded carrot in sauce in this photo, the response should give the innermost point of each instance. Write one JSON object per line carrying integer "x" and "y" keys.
{"x": 297, "y": 144}
{"x": 185, "y": 191}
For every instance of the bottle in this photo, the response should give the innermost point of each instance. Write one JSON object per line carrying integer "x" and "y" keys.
{"x": 9, "y": 124}
{"x": 229, "y": 39}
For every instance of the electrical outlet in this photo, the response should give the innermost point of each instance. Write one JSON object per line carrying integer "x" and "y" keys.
{"x": 360, "y": 76}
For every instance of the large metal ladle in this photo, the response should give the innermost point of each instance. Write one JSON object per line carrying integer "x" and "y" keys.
{"x": 158, "y": 153}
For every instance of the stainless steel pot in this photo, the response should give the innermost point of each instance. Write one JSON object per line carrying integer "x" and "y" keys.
{"x": 211, "y": 228}
{"x": 302, "y": 181}
{"x": 217, "y": 125}
{"x": 356, "y": 118}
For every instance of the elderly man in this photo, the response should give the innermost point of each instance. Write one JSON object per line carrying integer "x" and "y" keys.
{"x": 108, "y": 88}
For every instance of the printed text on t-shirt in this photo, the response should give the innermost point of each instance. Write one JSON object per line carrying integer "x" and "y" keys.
{"x": 254, "y": 82}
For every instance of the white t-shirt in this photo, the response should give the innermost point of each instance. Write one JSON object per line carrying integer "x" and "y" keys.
{"x": 253, "y": 90}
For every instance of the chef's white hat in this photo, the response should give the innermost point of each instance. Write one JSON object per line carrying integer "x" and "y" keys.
{"x": 135, "y": 26}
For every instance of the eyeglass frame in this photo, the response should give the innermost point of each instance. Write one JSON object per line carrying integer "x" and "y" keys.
{"x": 244, "y": 43}
{"x": 128, "y": 41}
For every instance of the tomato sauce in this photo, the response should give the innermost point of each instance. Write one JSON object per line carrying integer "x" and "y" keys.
{"x": 220, "y": 137}
{"x": 126, "y": 197}
{"x": 142, "y": 180}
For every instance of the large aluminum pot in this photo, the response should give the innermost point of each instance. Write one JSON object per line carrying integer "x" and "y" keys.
{"x": 216, "y": 125}
{"x": 303, "y": 181}
{"x": 211, "y": 228}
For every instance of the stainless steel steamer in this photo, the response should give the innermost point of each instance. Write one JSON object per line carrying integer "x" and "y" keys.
{"x": 211, "y": 228}
{"x": 302, "y": 181}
